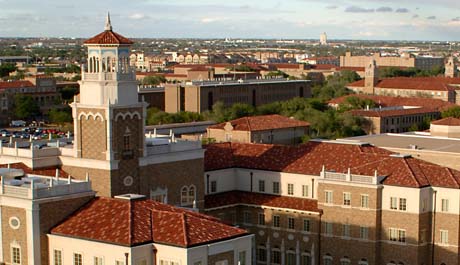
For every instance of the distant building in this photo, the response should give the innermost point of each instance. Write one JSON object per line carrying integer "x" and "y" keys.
{"x": 270, "y": 129}
{"x": 451, "y": 69}
{"x": 323, "y": 39}
{"x": 406, "y": 60}
{"x": 201, "y": 96}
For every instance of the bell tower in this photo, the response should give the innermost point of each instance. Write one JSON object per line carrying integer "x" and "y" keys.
{"x": 450, "y": 68}
{"x": 371, "y": 77}
{"x": 108, "y": 116}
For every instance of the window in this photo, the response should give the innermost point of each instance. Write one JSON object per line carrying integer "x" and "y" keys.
{"x": 98, "y": 261}
{"x": 444, "y": 237}
{"x": 306, "y": 259}
{"x": 402, "y": 204}
{"x": 126, "y": 142}
{"x": 261, "y": 254}
{"x": 328, "y": 196}
{"x": 393, "y": 203}
{"x": 242, "y": 258}
{"x": 290, "y": 189}
{"x": 328, "y": 228}
{"x": 276, "y": 187}
{"x": 397, "y": 235}
{"x": 346, "y": 198}
{"x": 444, "y": 205}
{"x": 57, "y": 257}
{"x": 184, "y": 195}
{"x": 77, "y": 259}
{"x": 344, "y": 262}
{"x": 346, "y": 230}
{"x": 276, "y": 221}
{"x": 261, "y": 186}
{"x": 304, "y": 190}
{"x": 290, "y": 258}
{"x": 16, "y": 255}
{"x": 187, "y": 195}
{"x": 364, "y": 201}
{"x": 261, "y": 219}
{"x": 423, "y": 236}
{"x": 247, "y": 217}
{"x": 291, "y": 223}
{"x": 364, "y": 232}
{"x": 276, "y": 256}
{"x": 327, "y": 260}
{"x": 213, "y": 186}
{"x": 306, "y": 225}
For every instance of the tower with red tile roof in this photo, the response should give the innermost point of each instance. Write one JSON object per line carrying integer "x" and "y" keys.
{"x": 371, "y": 77}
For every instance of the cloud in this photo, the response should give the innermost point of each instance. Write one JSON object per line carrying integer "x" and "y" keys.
{"x": 455, "y": 19}
{"x": 402, "y": 10}
{"x": 332, "y": 7}
{"x": 384, "y": 9}
{"x": 206, "y": 20}
{"x": 431, "y": 18}
{"x": 415, "y": 16}
{"x": 357, "y": 9}
{"x": 137, "y": 16}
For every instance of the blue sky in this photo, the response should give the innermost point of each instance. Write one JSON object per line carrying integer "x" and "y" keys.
{"x": 350, "y": 19}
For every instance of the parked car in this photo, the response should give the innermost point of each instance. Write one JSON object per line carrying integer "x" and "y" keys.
{"x": 18, "y": 123}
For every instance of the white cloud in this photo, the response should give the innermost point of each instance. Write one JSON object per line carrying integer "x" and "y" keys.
{"x": 137, "y": 16}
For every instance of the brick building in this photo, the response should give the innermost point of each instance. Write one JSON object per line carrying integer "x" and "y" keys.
{"x": 335, "y": 203}
{"x": 271, "y": 129}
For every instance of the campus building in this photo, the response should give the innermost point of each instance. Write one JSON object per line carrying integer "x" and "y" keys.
{"x": 339, "y": 202}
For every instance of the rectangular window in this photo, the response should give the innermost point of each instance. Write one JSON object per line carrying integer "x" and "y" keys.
{"x": 398, "y": 235}
{"x": 306, "y": 225}
{"x": 126, "y": 142}
{"x": 393, "y": 234}
{"x": 247, "y": 217}
{"x": 444, "y": 205}
{"x": 291, "y": 223}
{"x": 328, "y": 196}
{"x": 290, "y": 258}
{"x": 364, "y": 201}
{"x": 261, "y": 185}
{"x": 262, "y": 254}
{"x": 261, "y": 219}
{"x": 402, "y": 235}
{"x": 328, "y": 228}
{"x": 98, "y": 261}
{"x": 276, "y": 257}
{"x": 16, "y": 255}
{"x": 346, "y": 230}
{"x": 290, "y": 189}
{"x": 77, "y": 259}
{"x": 305, "y": 190}
{"x": 306, "y": 260}
{"x": 364, "y": 232}
{"x": 276, "y": 187}
{"x": 57, "y": 257}
{"x": 346, "y": 198}
{"x": 393, "y": 203}
{"x": 276, "y": 221}
{"x": 402, "y": 204}
{"x": 213, "y": 186}
{"x": 444, "y": 237}
{"x": 242, "y": 258}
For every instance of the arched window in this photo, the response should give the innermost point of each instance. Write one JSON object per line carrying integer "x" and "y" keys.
{"x": 290, "y": 257}
{"x": 306, "y": 258}
{"x": 191, "y": 194}
{"x": 345, "y": 261}
{"x": 327, "y": 259}
{"x": 187, "y": 195}
{"x": 184, "y": 196}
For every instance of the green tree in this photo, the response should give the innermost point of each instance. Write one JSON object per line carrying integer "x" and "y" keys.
{"x": 6, "y": 69}
{"x": 25, "y": 107}
{"x": 153, "y": 80}
{"x": 60, "y": 116}
{"x": 452, "y": 112}
{"x": 353, "y": 102}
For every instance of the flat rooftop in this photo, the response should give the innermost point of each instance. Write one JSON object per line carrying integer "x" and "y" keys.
{"x": 412, "y": 141}
{"x": 244, "y": 82}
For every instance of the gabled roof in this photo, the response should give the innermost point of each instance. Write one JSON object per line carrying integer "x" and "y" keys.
{"x": 135, "y": 222}
{"x": 109, "y": 37}
{"x": 262, "y": 123}
{"x": 15, "y": 84}
{"x": 449, "y": 121}
{"x": 309, "y": 158}
{"x": 392, "y": 112}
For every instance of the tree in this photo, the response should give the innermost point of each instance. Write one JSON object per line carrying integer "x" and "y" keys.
{"x": 60, "y": 116}
{"x": 6, "y": 69}
{"x": 25, "y": 107}
{"x": 452, "y": 112}
{"x": 153, "y": 80}
{"x": 353, "y": 102}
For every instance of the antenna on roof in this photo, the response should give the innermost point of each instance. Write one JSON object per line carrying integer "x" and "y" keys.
{"x": 108, "y": 24}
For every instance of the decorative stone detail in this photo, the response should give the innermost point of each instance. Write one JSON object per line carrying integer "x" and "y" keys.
{"x": 14, "y": 222}
{"x": 128, "y": 181}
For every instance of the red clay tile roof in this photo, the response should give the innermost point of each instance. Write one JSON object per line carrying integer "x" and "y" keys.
{"x": 309, "y": 159}
{"x": 388, "y": 101}
{"x": 136, "y": 222}
{"x": 416, "y": 83}
{"x": 48, "y": 171}
{"x": 109, "y": 37}
{"x": 262, "y": 123}
{"x": 450, "y": 121}
{"x": 251, "y": 198}
{"x": 15, "y": 84}
{"x": 393, "y": 112}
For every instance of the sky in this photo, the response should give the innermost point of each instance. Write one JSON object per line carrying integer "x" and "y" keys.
{"x": 274, "y": 19}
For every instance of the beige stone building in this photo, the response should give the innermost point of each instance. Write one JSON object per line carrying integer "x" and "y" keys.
{"x": 198, "y": 96}
{"x": 341, "y": 202}
{"x": 405, "y": 60}
{"x": 270, "y": 129}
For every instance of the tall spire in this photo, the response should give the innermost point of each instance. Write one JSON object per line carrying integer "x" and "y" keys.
{"x": 108, "y": 24}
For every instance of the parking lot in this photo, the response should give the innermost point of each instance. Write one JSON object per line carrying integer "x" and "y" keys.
{"x": 19, "y": 134}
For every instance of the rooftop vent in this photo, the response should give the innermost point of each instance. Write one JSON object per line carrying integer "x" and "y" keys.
{"x": 130, "y": 197}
